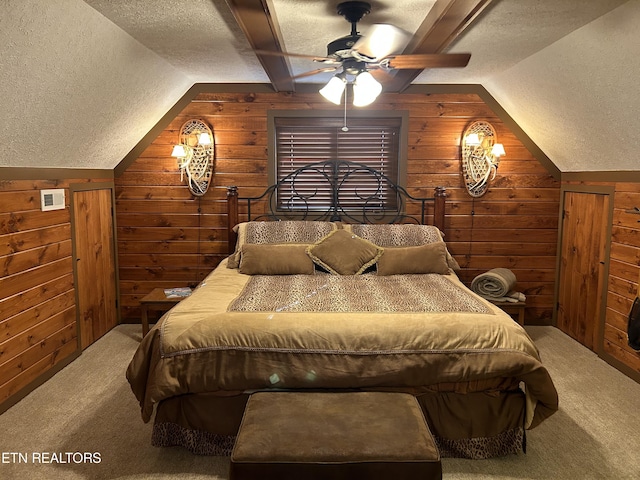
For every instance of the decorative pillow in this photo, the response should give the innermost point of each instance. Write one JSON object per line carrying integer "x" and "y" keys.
{"x": 401, "y": 235}
{"x": 285, "y": 231}
{"x": 429, "y": 258}
{"x": 277, "y": 259}
{"x": 344, "y": 253}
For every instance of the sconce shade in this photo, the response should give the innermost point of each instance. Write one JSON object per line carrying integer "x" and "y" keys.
{"x": 333, "y": 90}
{"x": 204, "y": 139}
{"x": 365, "y": 89}
{"x": 473, "y": 139}
{"x": 498, "y": 150}
{"x": 179, "y": 151}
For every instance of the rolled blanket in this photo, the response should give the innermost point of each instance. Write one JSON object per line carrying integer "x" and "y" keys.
{"x": 497, "y": 284}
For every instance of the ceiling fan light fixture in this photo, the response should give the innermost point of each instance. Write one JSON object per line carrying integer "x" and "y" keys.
{"x": 365, "y": 89}
{"x": 333, "y": 90}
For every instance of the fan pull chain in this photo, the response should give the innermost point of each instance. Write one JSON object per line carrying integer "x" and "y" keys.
{"x": 345, "y": 128}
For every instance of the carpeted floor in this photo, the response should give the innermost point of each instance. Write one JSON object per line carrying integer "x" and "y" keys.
{"x": 88, "y": 411}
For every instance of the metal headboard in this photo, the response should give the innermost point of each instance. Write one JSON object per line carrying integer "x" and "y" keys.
{"x": 341, "y": 179}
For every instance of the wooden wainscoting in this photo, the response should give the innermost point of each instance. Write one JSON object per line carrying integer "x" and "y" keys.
{"x": 38, "y": 328}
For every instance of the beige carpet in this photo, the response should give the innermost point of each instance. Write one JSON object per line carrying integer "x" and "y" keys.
{"x": 88, "y": 408}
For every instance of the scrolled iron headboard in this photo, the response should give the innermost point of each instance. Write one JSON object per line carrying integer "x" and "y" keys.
{"x": 342, "y": 179}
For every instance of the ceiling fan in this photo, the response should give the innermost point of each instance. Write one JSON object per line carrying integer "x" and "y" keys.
{"x": 378, "y": 51}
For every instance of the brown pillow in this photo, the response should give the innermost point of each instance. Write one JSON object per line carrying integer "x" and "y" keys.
{"x": 344, "y": 253}
{"x": 429, "y": 258}
{"x": 280, "y": 232}
{"x": 275, "y": 259}
{"x": 401, "y": 235}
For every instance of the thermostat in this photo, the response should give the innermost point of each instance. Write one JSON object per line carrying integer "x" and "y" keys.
{"x": 52, "y": 199}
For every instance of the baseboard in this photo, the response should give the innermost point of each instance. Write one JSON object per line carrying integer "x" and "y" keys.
{"x": 618, "y": 365}
{"x": 40, "y": 380}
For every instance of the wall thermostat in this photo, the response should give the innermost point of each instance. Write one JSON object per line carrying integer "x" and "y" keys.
{"x": 52, "y": 199}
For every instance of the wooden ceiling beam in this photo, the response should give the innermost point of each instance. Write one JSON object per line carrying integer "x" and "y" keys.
{"x": 258, "y": 21}
{"x": 445, "y": 21}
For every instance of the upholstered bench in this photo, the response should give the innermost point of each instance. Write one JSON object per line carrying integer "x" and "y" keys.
{"x": 354, "y": 435}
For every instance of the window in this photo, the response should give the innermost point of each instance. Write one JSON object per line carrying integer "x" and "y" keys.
{"x": 373, "y": 142}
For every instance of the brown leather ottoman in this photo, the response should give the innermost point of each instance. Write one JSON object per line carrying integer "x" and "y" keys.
{"x": 313, "y": 436}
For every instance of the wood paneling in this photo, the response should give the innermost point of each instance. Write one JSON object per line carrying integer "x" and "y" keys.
{"x": 166, "y": 238}
{"x": 38, "y": 330}
{"x": 623, "y": 275}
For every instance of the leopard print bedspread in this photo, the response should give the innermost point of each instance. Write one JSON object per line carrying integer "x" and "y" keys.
{"x": 351, "y": 293}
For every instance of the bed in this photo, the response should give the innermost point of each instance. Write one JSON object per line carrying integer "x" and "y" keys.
{"x": 330, "y": 300}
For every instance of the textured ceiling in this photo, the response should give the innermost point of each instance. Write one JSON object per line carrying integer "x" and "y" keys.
{"x": 106, "y": 71}
{"x": 198, "y": 37}
{"x": 582, "y": 108}
{"x": 511, "y": 31}
{"x": 202, "y": 39}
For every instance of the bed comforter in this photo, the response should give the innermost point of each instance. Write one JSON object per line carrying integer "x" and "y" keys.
{"x": 203, "y": 346}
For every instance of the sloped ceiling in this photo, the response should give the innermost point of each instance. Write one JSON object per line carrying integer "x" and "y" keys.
{"x": 77, "y": 92}
{"x": 82, "y": 82}
{"x": 578, "y": 98}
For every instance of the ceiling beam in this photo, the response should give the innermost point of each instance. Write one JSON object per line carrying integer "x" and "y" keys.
{"x": 258, "y": 21}
{"x": 445, "y": 21}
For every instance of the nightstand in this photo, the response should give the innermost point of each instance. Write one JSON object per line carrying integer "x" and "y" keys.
{"x": 156, "y": 300}
{"x": 512, "y": 308}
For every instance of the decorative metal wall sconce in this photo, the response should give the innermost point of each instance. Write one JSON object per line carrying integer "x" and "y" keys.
{"x": 480, "y": 157}
{"x": 195, "y": 152}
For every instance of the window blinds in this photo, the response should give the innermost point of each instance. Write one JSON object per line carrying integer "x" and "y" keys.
{"x": 371, "y": 142}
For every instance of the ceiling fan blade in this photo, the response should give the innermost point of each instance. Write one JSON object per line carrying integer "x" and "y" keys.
{"x": 315, "y": 72}
{"x": 381, "y": 41}
{"x": 429, "y": 60}
{"x": 297, "y": 55}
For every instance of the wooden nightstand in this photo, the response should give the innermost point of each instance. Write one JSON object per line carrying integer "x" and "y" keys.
{"x": 156, "y": 300}
{"x": 512, "y": 308}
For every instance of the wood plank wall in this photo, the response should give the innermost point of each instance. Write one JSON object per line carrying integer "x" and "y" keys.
{"x": 37, "y": 295}
{"x": 164, "y": 242}
{"x": 624, "y": 273}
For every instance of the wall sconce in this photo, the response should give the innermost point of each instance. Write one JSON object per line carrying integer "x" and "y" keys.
{"x": 195, "y": 154}
{"x": 365, "y": 88}
{"x": 480, "y": 157}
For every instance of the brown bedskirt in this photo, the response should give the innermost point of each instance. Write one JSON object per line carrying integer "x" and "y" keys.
{"x": 468, "y": 425}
